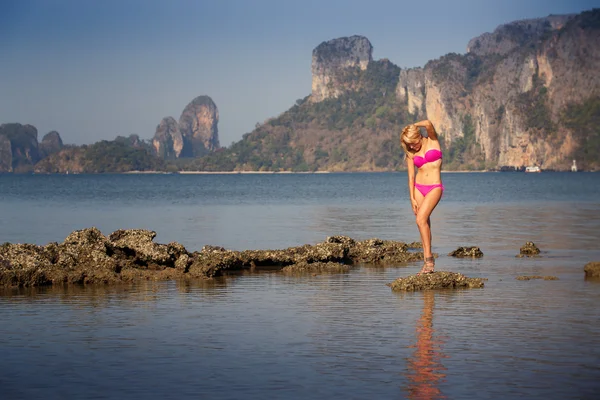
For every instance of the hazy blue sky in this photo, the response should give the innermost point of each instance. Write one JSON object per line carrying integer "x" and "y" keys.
{"x": 93, "y": 70}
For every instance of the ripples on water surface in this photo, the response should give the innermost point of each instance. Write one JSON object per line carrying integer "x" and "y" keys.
{"x": 326, "y": 336}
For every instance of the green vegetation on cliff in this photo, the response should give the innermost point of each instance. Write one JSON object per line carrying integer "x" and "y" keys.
{"x": 20, "y": 147}
{"x": 119, "y": 156}
{"x": 584, "y": 121}
{"x": 359, "y": 130}
{"x": 465, "y": 152}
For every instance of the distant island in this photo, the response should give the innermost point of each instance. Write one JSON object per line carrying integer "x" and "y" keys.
{"x": 526, "y": 94}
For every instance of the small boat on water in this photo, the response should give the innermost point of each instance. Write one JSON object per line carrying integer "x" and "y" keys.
{"x": 533, "y": 168}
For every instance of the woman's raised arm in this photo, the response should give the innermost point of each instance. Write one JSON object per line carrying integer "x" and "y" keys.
{"x": 431, "y": 133}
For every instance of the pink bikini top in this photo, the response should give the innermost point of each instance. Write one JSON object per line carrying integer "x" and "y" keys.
{"x": 430, "y": 156}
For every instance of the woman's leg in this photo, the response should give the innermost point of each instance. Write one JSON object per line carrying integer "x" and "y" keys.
{"x": 426, "y": 204}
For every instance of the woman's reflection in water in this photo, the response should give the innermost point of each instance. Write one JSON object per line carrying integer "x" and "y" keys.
{"x": 425, "y": 370}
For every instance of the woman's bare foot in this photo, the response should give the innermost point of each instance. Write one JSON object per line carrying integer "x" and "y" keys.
{"x": 428, "y": 267}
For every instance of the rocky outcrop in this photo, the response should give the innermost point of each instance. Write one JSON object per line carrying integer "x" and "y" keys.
{"x": 411, "y": 90}
{"x": 592, "y": 269}
{"x": 464, "y": 252}
{"x": 51, "y": 143}
{"x": 529, "y": 249}
{"x": 87, "y": 256}
{"x": 67, "y": 160}
{"x": 196, "y": 134}
{"x": 435, "y": 280}
{"x": 24, "y": 152}
{"x": 516, "y": 34}
{"x": 168, "y": 142}
{"x": 333, "y": 63}
{"x": 5, "y": 154}
{"x": 198, "y": 126}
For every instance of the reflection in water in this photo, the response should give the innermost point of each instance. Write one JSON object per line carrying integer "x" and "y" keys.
{"x": 127, "y": 295}
{"x": 425, "y": 370}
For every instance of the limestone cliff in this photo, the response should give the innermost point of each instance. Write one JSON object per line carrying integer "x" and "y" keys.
{"x": 5, "y": 155}
{"x": 70, "y": 159}
{"x": 528, "y": 93}
{"x": 24, "y": 152}
{"x": 333, "y": 63}
{"x": 168, "y": 141}
{"x": 509, "y": 37}
{"x": 198, "y": 127}
{"x": 511, "y": 91}
{"x": 196, "y": 134}
{"x": 51, "y": 143}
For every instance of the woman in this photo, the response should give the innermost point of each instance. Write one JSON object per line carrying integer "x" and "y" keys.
{"x": 426, "y": 188}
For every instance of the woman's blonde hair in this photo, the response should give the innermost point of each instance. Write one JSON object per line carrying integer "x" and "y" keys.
{"x": 410, "y": 134}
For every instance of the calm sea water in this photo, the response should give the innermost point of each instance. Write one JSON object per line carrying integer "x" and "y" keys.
{"x": 254, "y": 336}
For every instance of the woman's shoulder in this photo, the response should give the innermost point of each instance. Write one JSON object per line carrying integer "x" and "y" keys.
{"x": 433, "y": 144}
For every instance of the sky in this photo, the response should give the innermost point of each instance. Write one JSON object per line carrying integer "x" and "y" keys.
{"x": 96, "y": 69}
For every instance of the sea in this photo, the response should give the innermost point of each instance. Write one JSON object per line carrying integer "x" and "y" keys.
{"x": 317, "y": 336}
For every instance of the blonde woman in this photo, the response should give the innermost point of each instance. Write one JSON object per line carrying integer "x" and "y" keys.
{"x": 426, "y": 187}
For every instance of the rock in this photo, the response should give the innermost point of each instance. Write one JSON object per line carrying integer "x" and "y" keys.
{"x": 383, "y": 252}
{"x": 51, "y": 143}
{"x": 491, "y": 81}
{"x": 179, "y": 256}
{"x": 462, "y": 252}
{"x": 211, "y": 264}
{"x": 529, "y": 249}
{"x": 167, "y": 141}
{"x": 67, "y": 160}
{"x": 24, "y": 265}
{"x": 183, "y": 263}
{"x": 411, "y": 89}
{"x": 24, "y": 146}
{"x": 87, "y": 256}
{"x": 198, "y": 126}
{"x": 5, "y": 154}
{"x": 592, "y": 269}
{"x": 335, "y": 253}
{"x": 86, "y": 249}
{"x": 509, "y": 36}
{"x": 332, "y": 60}
{"x": 530, "y": 277}
{"x": 138, "y": 244}
{"x": 435, "y": 280}
{"x": 345, "y": 240}
{"x": 415, "y": 245}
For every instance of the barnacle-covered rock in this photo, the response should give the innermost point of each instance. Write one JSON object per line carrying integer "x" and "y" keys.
{"x": 435, "y": 280}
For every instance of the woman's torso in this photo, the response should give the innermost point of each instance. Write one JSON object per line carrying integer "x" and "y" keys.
{"x": 429, "y": 173}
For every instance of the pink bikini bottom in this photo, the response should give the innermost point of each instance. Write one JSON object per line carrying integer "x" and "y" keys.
{"x": 424, "y": 189}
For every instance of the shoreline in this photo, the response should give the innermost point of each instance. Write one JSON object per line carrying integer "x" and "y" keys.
{"x": 266, "y": 172}
{"x": 292, "y": 172}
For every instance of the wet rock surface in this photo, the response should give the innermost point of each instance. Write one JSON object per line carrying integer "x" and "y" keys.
{"x": 463, "y": 252}
{"x": 529, "y": 249}
{"x": 435, "y": 280}
{"x": 592, "y": 269}
{"x": 530, "y": 277}
{"x": 87, "y": 256}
